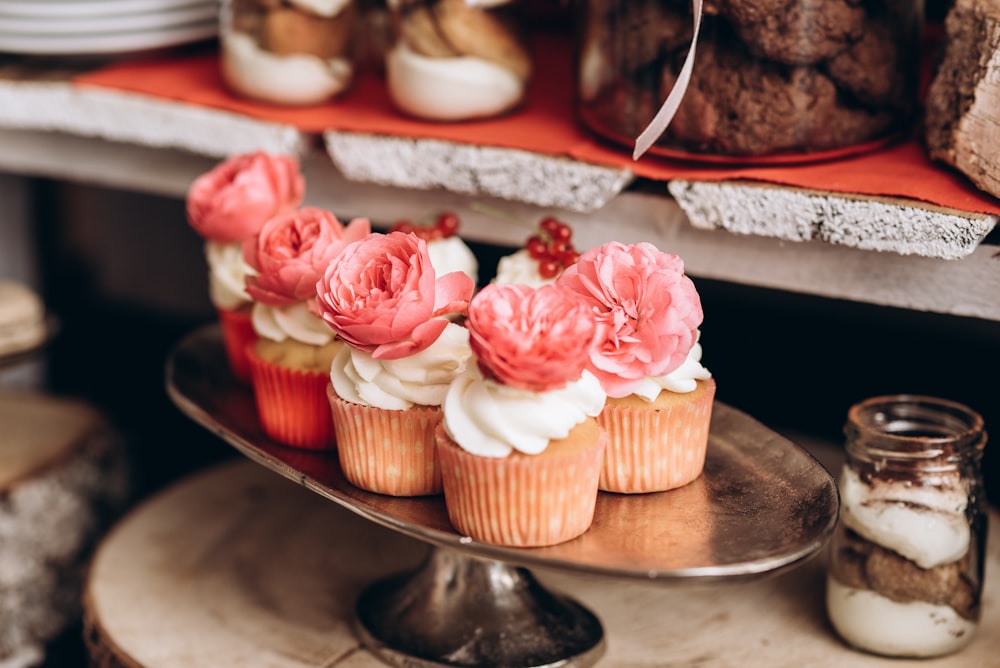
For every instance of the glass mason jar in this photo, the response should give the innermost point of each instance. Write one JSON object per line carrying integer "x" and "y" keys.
{"x": 801, "y": 80}
{"x": 291, "y": 52}
{"x": 455, "y": 60}
{"x": 906, "y": 563}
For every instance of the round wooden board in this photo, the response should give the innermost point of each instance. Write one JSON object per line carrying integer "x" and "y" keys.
{"x": 236, "y": 566}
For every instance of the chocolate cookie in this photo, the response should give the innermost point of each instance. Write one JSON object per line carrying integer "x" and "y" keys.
{"x": 879, "y": 69}
{"x": 737, "y": 104}
{"x": 794, "y": 32}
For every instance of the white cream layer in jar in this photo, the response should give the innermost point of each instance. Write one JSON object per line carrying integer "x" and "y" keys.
{"x": 294, "y": 79}
{"x": 449, "y": 89}
{"x": 867, "y": 619}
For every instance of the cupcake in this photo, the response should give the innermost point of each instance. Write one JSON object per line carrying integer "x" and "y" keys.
{"x": 520, "y": 450}
{"x": 226, "y": 206}
{"x": 290, "y": 361}
{"x": 659, "y": 396}
{"x": 545, "y": 255}
{"x": 384, "y": 300}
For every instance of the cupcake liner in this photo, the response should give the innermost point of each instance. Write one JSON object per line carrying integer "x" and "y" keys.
{"x": 237, "y": 333}
{"x": 291, "y": 404}
{"x": 656, "y": 449}
{"x": 520, "y": 500}
{"x": 384, "y": 451}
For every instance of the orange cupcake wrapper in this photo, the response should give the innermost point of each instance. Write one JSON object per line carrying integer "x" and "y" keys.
{"x": 291, "y": 404}
{"x": 528, "y": 501}
{"x": 237, "y": 333}
{"x": 654, "y": 450}
{"x": 384, "y": 451}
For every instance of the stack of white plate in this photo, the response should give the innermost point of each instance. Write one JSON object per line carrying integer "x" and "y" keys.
{"x": 73, "y": 27}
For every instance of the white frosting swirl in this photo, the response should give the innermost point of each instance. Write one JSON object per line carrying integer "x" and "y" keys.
{"x": 295, "y": 322}
{"x": 488, "y": 419}
{"x": 682, "y": 380}
{"x": 519, "y": 268}
{"x": 421, "y": 378}
{"x": 227, "y": 272}
{"x": 451, "y": 254}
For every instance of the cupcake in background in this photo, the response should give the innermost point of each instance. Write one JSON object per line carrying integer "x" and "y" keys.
{"x": 384, "y": 299}
{"x": 226, "y": 206}
{"x": 445, "y": 247}
{"x": 649, "y": 363}
{"x": 290, "y": 360}
{"x": 520, "y": 450}
{"x": 545, "y": 255}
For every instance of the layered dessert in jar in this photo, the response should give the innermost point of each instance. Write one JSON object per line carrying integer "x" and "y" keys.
{"x": 289, "y": 52}
{"x": 906, "y": 565}
{"x": 455, "y": 59}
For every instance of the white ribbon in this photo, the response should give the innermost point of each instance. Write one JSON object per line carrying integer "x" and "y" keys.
{"x": 659, "y": 124}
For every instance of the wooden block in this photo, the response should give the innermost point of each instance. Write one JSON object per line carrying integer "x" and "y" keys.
{"x": 63, "y": 474}
{"x": 962, "y": 124}
{"x": 899, "y": 226}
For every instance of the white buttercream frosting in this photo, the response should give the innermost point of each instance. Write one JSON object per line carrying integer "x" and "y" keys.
{"x": 682, "y": 380}
{"x": 448, "y": 89}
{"x": 326, "y": 8}
{"x": 867, "y": 619}
{"x": 295, "y": 322}
{"x": 283, "y": 79}
{"x": 925, "y": 524}
{"x": 488, "y": 419}
{"x": 421, "y": 378}
{"x": 519, "y": 268}
{"x": 452, "y": 254}
{"x": 227, "y": 272}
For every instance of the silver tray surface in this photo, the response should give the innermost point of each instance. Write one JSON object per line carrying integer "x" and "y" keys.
{"x": 762, "y": 505}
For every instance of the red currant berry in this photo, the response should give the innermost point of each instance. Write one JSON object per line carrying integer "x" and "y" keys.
{"x": 549, "y": 268}
{"x": 404, "y": 226}
{"x": 549, "y": 225}
{"x": 569, "y": 257}
{"x": 432, "y": 233}
{"x": 562, "y": 233}
{"x": 447, "y": 222}
{"x": 558, "y": 247}
{"x": 537, "y": 248}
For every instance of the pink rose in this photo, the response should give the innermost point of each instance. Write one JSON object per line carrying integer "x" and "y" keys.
{"x": 536, "y": 339}
{"x": 232, "y": 201}
{"x": 292, "y": 251}
{"x": 650, "y": 308}
{"x": 381, "y": 295}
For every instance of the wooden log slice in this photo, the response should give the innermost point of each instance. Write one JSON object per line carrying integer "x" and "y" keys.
{"x": 63, "y": 475}
{"x": 962, "y": 126}
{"x": 236, "y": 566}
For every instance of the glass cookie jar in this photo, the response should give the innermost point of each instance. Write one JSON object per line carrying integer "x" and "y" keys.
{"x": 768, "y": 78}
{"x": 906, "y": 563}
{"x": 291, "y": 52}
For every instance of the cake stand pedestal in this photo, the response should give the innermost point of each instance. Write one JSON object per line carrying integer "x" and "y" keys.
{"x": 761, "y": 506}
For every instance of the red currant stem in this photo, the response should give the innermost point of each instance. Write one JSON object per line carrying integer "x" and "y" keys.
{"x": 500, "y": 214}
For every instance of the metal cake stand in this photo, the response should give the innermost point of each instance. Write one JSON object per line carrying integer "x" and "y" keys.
{"x": 762, "y": 505}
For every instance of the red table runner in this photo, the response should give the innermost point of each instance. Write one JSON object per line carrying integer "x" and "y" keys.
{"x": 545, "y": 124}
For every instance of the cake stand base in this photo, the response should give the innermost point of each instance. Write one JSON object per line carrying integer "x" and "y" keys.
{"x": 457, "y": 610}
